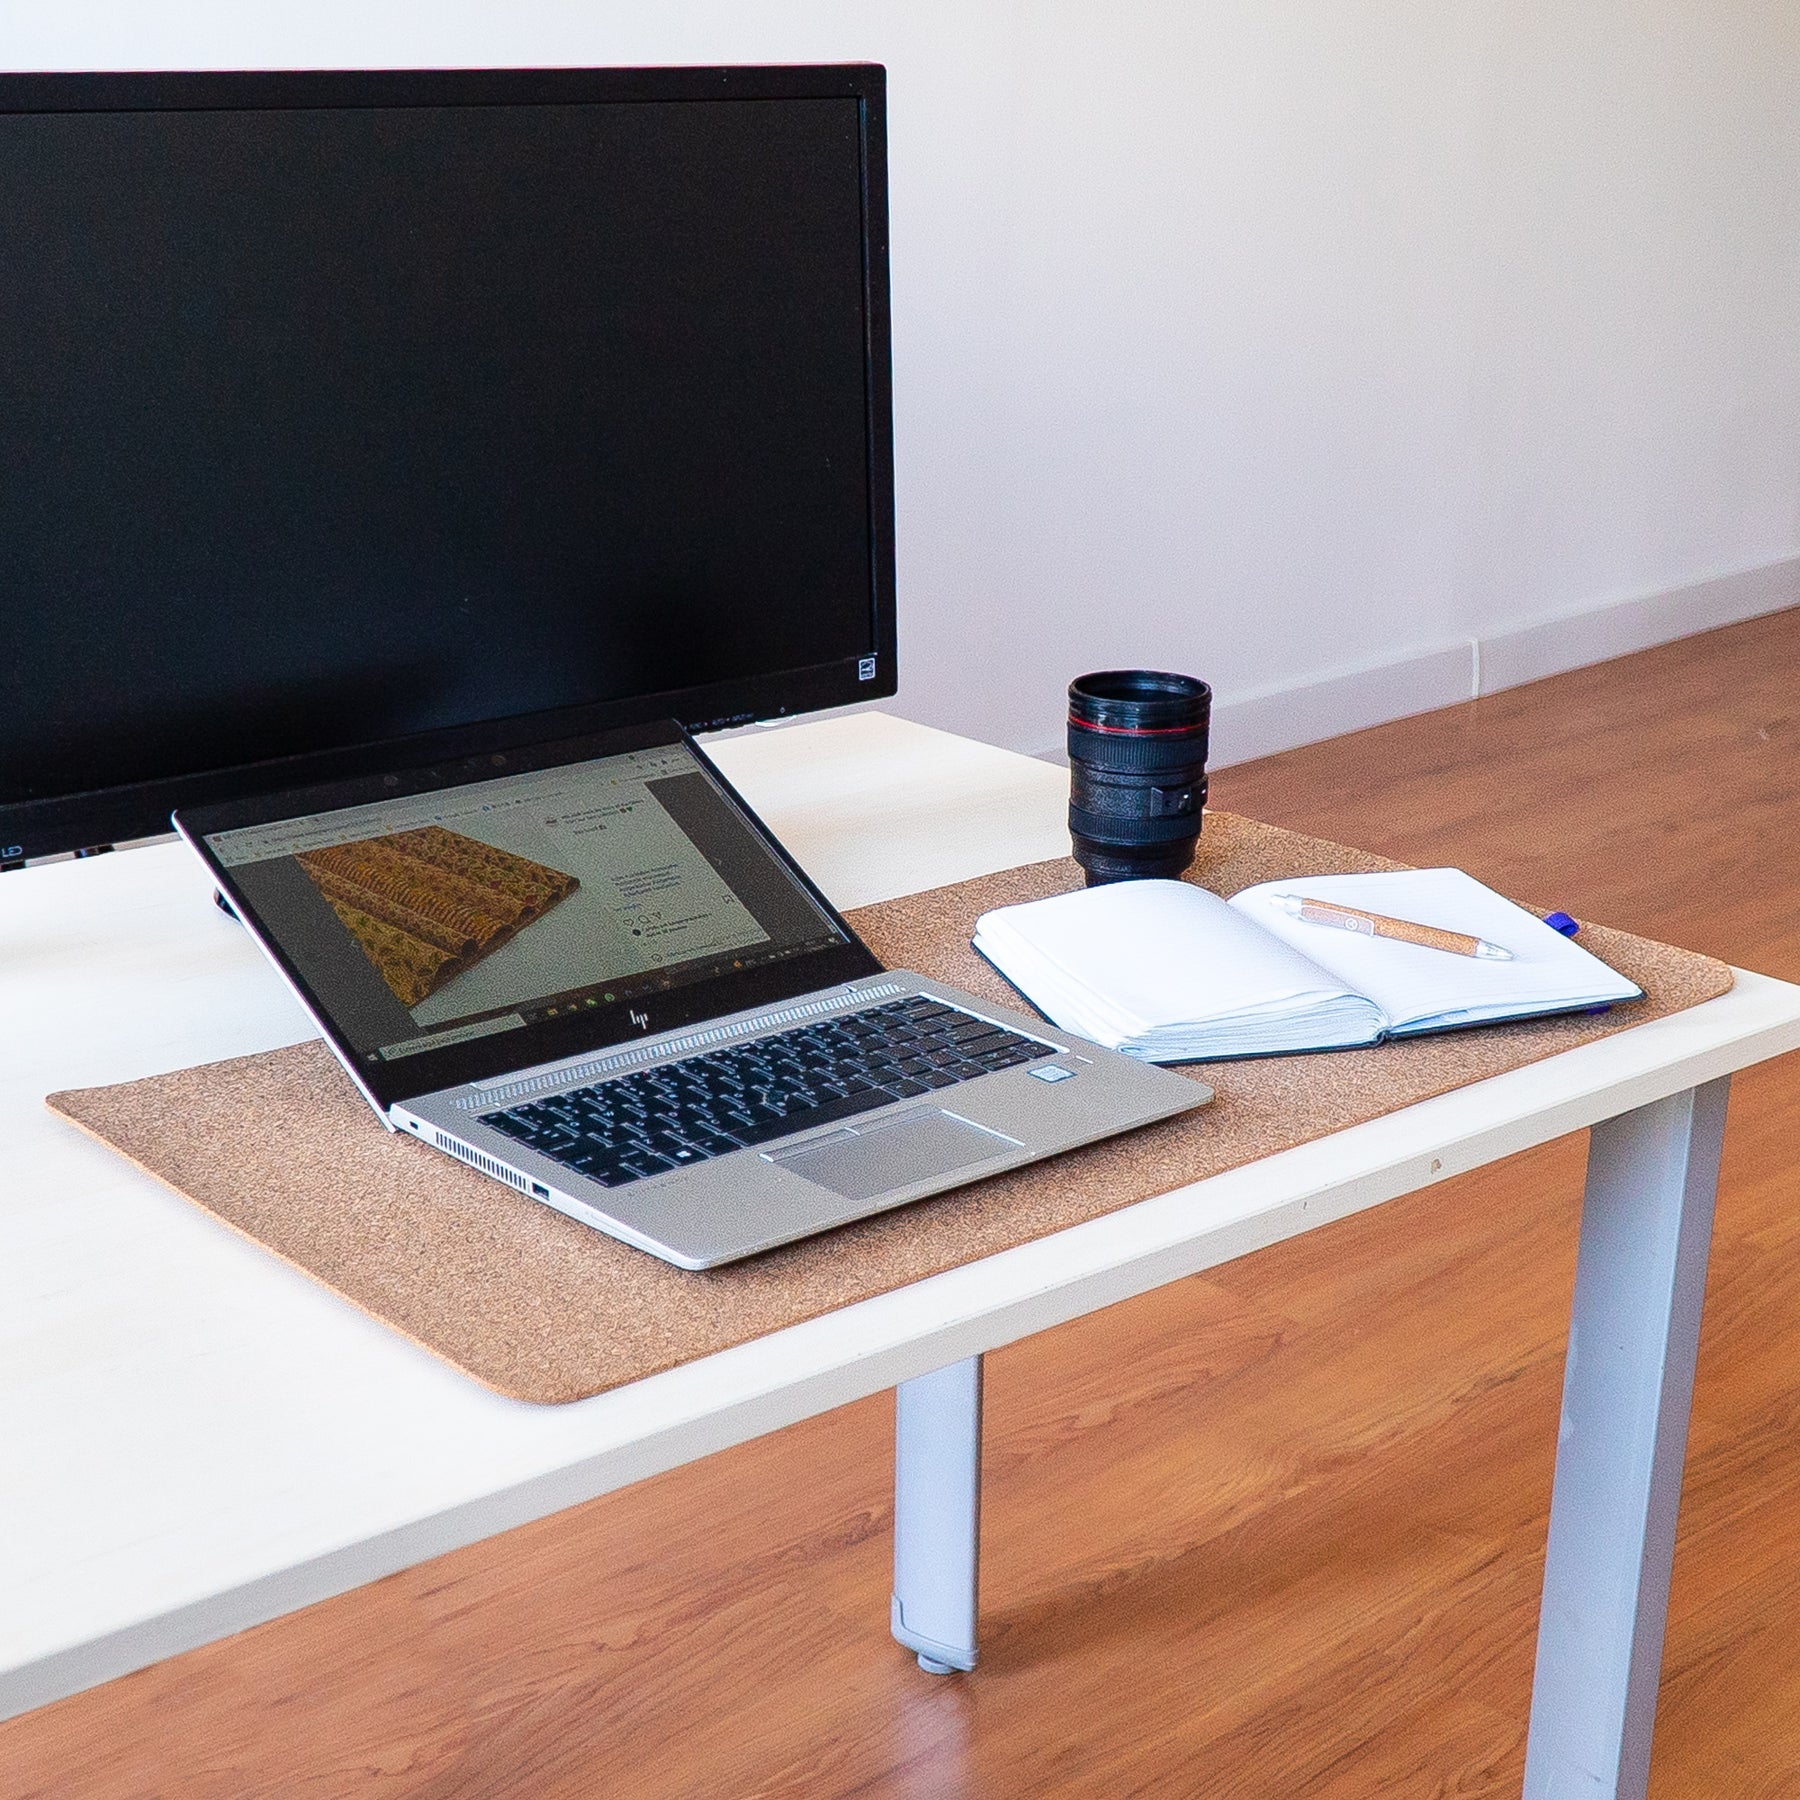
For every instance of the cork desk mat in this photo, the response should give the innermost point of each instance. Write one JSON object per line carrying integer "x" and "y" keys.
{"x": 282, "y": 1149}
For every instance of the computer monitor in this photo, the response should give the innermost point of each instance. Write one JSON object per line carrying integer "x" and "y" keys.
{"x": 351, "y": 420}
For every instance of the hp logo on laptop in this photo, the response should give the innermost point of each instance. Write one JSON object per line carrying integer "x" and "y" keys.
{"x": 640, "y": 1020}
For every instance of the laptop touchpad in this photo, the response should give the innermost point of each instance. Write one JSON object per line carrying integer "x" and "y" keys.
{"x": 863, "y": 1162}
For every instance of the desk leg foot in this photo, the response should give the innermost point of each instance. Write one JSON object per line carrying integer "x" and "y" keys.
{"x": 937, "y": 1515}
{"x": 1640, "y": 1277}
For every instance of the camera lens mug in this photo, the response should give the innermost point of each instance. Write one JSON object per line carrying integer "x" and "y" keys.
{"x": 1137, "y": 772}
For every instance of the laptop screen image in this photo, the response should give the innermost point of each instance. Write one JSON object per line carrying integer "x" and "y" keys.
{"x": 427, "y": 920}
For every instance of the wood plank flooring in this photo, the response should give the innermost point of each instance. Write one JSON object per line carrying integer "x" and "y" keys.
{"x": 1275, "y": 1531}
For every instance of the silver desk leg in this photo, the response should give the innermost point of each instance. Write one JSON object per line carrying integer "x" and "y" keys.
{"x": 937, "y": 1514}
{"x": 1640, "y": 1277}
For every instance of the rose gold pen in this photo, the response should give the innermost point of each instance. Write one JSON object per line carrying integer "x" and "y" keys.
{"x": 1353, "y": 918}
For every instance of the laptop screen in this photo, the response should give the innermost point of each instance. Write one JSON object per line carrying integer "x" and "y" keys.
{"x": 428, "y": 920}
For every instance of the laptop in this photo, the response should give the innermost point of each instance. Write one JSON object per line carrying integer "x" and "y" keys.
{"x": 587, "y": 970}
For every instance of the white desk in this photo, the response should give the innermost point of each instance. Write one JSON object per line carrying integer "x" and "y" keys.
{"x": 199, "y": 1439}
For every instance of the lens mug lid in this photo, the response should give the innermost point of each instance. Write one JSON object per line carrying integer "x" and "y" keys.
{"x": 1134, "y": 701}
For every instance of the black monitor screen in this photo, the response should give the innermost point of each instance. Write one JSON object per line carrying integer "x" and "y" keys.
{"x": 333, "y": 425}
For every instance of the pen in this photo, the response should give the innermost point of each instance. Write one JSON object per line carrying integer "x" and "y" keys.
{"x": 1353, "y": 918}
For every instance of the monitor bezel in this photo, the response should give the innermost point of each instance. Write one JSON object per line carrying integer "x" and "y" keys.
{"x": 386, "y": 1083}
{"x": 139, "y": 809}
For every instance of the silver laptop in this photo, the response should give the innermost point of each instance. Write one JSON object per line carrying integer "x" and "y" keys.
{"x": 589, "y": 971}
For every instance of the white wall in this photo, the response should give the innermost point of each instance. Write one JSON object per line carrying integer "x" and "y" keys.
{"x": 1305, "y": 344}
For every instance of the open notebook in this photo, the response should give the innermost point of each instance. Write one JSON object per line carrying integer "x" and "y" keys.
{"x": 1168, "y": 972}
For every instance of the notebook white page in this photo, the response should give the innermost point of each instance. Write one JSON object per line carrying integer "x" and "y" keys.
{"x": 1165, "y": 970}
{"x": 1430, "y": 990}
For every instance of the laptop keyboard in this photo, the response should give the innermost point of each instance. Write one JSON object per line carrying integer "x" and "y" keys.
{"x": 678, "y": 1113}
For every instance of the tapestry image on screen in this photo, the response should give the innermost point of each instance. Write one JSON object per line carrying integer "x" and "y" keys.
{"x": 430, "y": 919}
{"x": 427, "y": 904}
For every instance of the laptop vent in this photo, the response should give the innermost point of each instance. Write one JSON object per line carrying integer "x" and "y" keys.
{"x": 494, "y": 1093}
{"x": 485, "y": 1164}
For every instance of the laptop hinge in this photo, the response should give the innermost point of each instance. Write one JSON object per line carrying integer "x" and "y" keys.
{"x": 502, "y": 1088}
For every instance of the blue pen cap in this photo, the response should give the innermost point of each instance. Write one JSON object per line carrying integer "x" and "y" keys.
{"x": 1560, "y": 921}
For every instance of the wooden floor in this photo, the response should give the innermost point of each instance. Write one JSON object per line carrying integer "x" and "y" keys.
{"x": 1274, "y": 1531}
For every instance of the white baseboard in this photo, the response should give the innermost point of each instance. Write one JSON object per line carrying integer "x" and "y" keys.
{"x": 1553, "y": 646}
{"x": 1245, "y": 726}
{"x": 1287, "y": 715}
